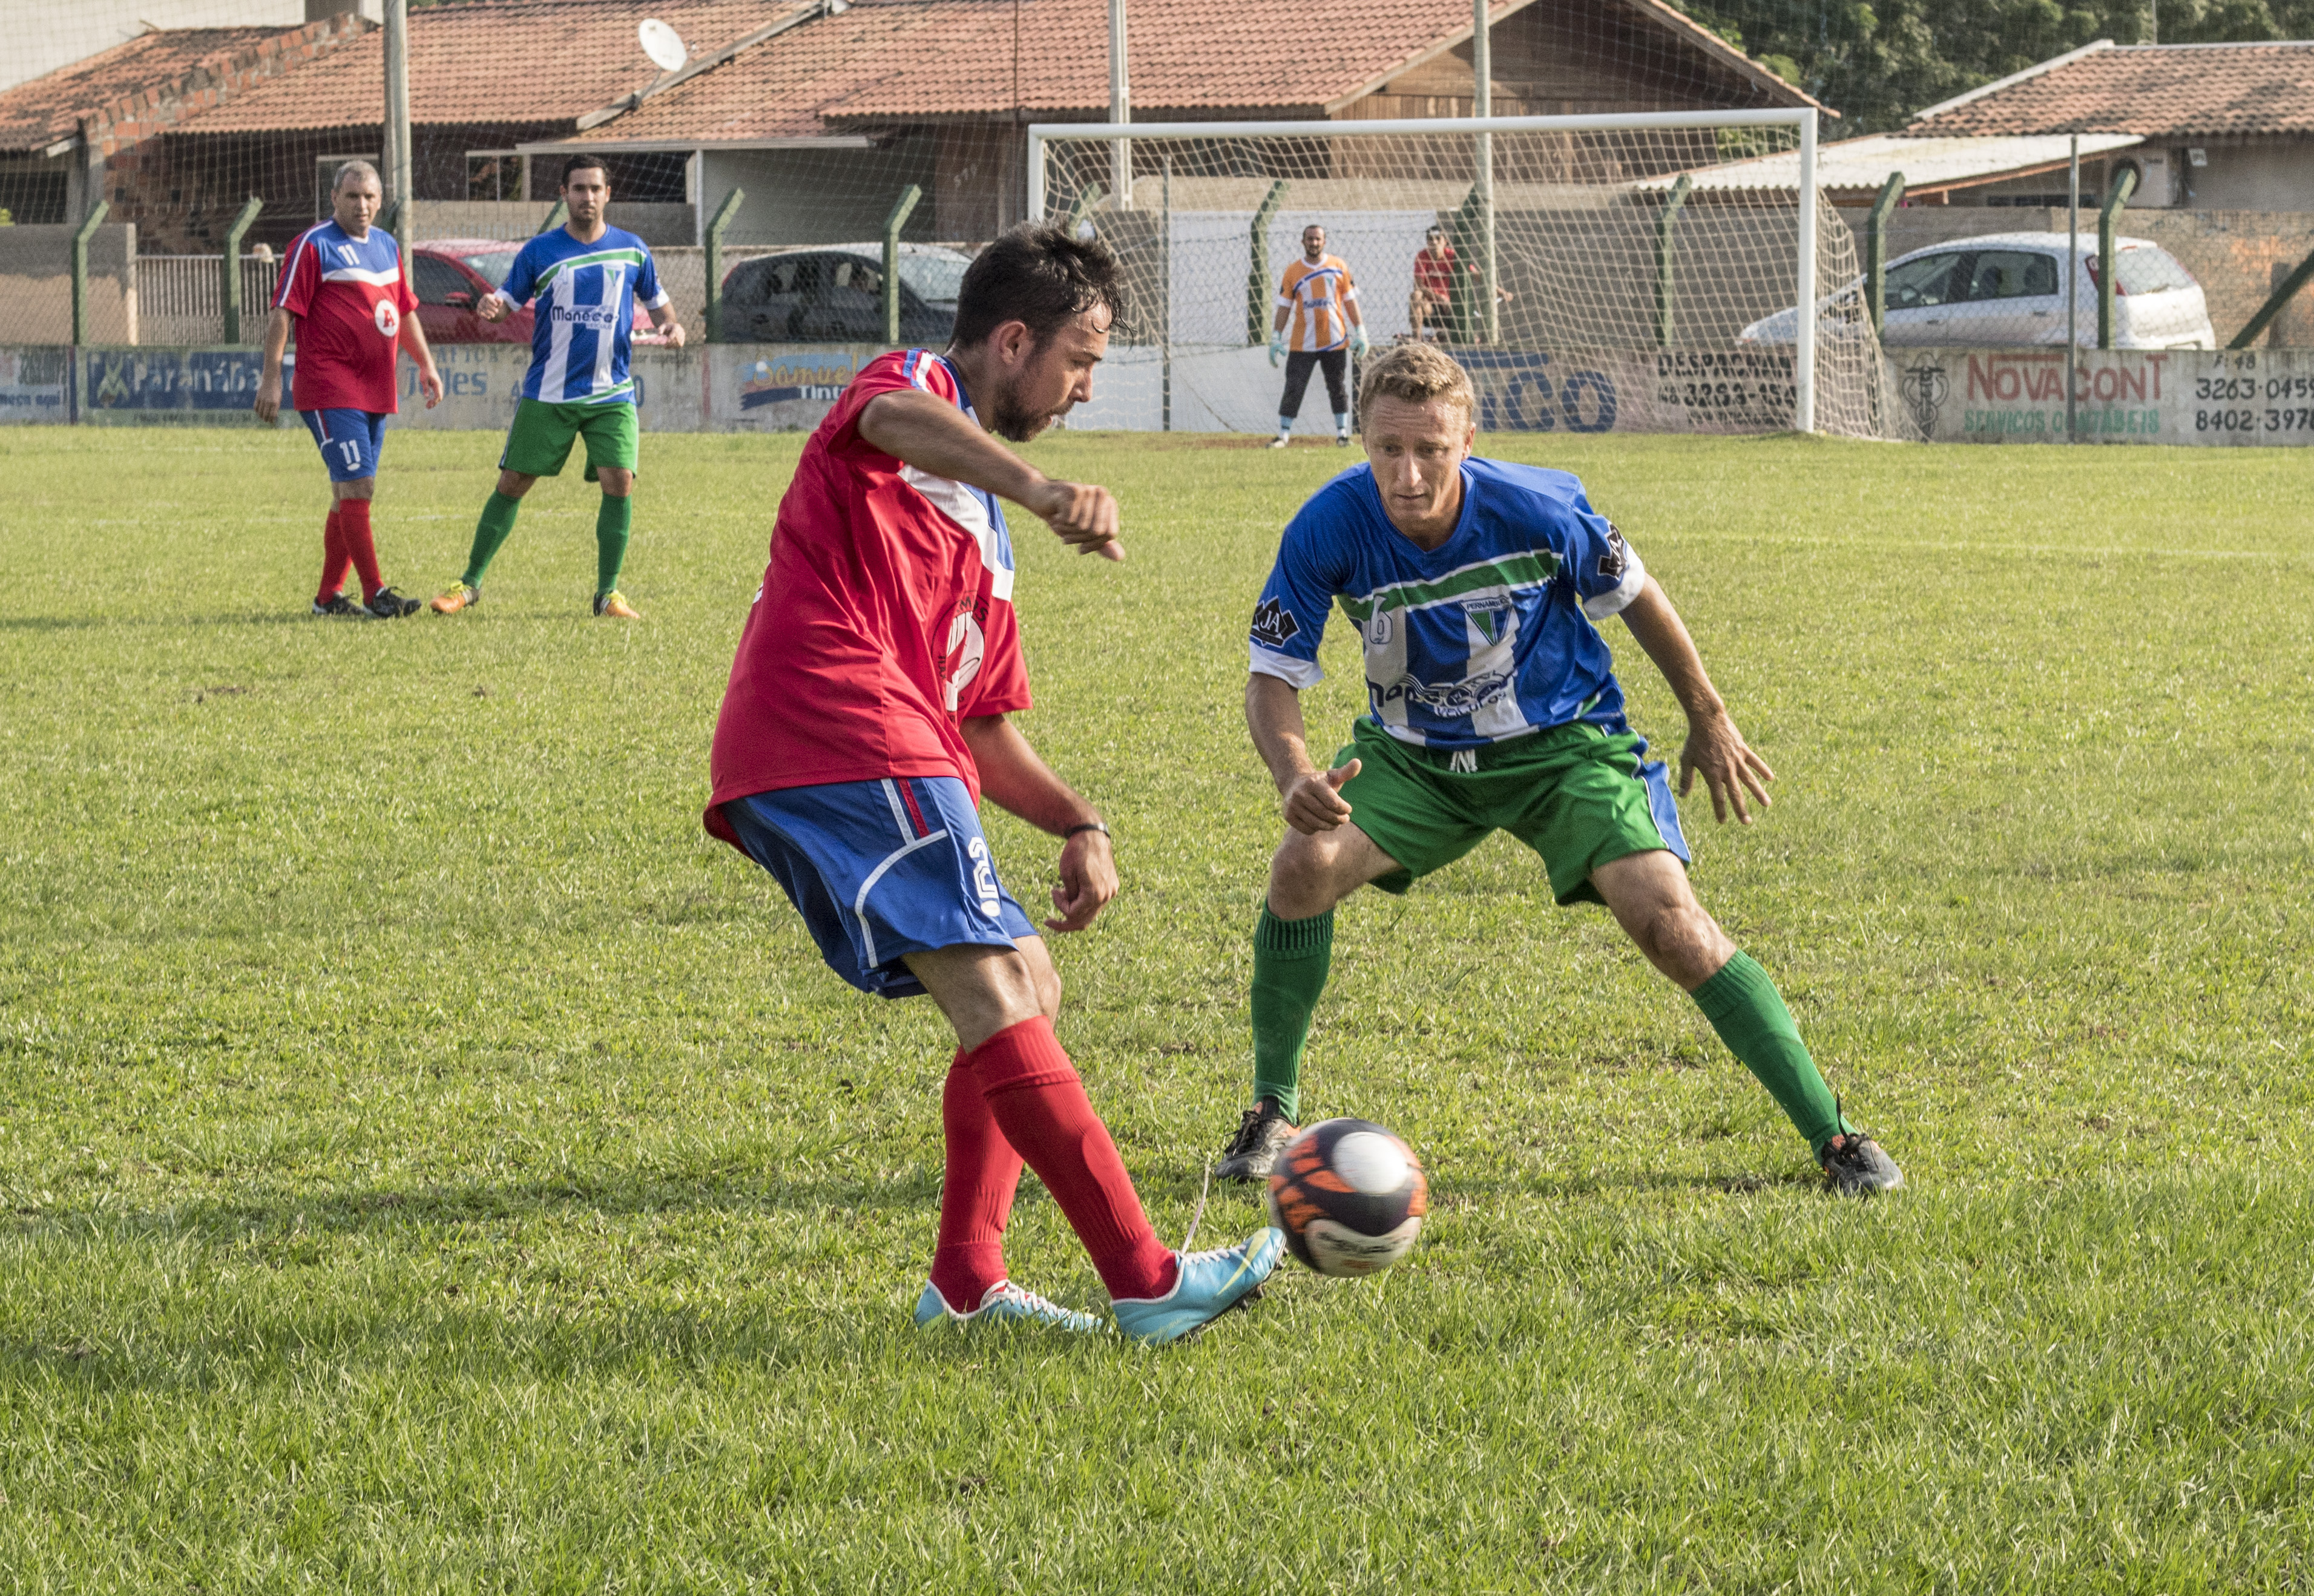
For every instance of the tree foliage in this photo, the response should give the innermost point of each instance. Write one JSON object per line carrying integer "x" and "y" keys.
{"x": 1877, "y": 63}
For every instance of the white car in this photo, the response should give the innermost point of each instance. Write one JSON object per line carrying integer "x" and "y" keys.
{"x": 2008, "y": 288}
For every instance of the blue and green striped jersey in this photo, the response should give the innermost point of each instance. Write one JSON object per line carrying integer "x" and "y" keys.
{"x": 584, "y": 298}
{"x": 1489, "y": 637}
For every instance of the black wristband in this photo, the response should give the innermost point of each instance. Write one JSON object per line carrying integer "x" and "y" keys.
{"x": 1089, "y": 826}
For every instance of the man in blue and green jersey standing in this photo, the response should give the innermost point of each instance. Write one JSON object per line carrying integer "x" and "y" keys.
{"x": 583, "y": 280}
{"x": 1478, "y": 588}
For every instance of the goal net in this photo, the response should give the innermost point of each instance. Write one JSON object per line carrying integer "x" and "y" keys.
{"x": 1624, "y": 273}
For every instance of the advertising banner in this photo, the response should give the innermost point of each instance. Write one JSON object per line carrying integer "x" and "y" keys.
{"x": 2259, "y": 397}
{"x": 35, "y": 386}
{"x": 2137, "y": 396}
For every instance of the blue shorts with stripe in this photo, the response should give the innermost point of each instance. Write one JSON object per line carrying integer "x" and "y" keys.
{"x": 880, "y": 869}
{"x": 350, "y": 441}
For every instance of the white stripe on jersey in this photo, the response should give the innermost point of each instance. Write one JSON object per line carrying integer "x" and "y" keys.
{"x": 559, "y": 332}
{"x": 607, "y": 339}
{"x": 355, "y": 274}
{"x": 959, "y": 504}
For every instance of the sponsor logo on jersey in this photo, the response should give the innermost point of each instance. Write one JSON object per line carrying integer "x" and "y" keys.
{"x": 604, "y": 316}
{"x": 1466, "y": 697}
{"x": 1273, "y": 625}
{"x": 968, "y": 648}
{"x": 1617, "y": 559}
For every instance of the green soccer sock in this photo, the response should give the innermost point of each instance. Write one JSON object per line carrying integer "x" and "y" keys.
{"x": 491, "y": 533}
{"x": 613, "y": 523}
{"x": 1745, "y": 1007}
{"x": 1291, "y": 958}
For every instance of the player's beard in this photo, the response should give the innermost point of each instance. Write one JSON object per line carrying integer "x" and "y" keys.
{"x": 1015, "y": 421}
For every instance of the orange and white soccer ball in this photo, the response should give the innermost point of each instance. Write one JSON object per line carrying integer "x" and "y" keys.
{"x": 1349, "y": 1195}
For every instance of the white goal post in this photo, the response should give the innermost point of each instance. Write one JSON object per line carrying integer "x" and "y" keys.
{"x": 1573, "y": 233}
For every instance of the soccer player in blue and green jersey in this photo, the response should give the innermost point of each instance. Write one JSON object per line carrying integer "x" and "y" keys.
{"x": 583, "y": 280}
{"x": 1476, "y": 588}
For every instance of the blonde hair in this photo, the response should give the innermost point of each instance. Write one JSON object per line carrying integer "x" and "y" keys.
{"x": 1417, "y": 373}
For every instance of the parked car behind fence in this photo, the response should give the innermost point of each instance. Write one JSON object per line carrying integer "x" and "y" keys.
{"x": 2008, "y": 289}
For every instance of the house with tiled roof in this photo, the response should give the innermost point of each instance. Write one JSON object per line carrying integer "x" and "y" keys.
{"x": 87, "y": 130}
{"x": 875, "y": 94}
{"x": 2217, "y": 127}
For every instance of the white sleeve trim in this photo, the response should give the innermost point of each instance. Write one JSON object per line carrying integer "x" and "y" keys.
{"x": 1295, "y": 672}
{"x": 1348, "y": 294}
{"x": 1285, "y": 302}
{"x": 654, "y": 304}
{"x": 1619, "y": 598}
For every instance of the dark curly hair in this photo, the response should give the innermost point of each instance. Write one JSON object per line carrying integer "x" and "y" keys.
{"x": 1035, "y": 273}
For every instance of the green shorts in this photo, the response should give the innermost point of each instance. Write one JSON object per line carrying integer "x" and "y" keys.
{"x": 1578, "y": 795}
{"x": 540, "y": 439}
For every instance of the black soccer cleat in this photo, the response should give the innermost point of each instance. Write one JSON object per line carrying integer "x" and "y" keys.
{"x": 390, "y": 606}
{"x": 1858, "y": 1167}
{"x": 339, "y": 608}
{"x": 1262, "y": 1132}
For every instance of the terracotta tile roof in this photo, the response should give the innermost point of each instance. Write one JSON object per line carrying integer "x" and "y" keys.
{"x": 2155, "y": 90}
{"x": 885, "y": 61}
{"x": 490, "y": 61}
{"x": 37, "y": 113}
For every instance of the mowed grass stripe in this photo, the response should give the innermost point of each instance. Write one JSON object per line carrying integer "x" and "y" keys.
{"x": 433, "y": 1164}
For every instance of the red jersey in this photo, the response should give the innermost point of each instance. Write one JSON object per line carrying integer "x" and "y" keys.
{"x": 1435, "y": 274}
{"x": 349, "y": 295}
{"x": 885, "y": 617}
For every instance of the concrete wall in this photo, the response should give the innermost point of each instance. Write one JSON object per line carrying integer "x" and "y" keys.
{"x": 36, "y": 284}
{"x": 2267, "y": 175}
{"x": 817, "y": 197}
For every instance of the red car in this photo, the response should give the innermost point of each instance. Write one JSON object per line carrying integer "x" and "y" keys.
{"x": 453, "y": 273}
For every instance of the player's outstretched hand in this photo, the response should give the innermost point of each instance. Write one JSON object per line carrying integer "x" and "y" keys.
{"x": 674, "y": 335}
{"x": 269, "y": 399}
{"x": 430, "y": 384}
{"x": 1087, "y": 881}
{"x": 1315, "y": 803}
{"x": 493, "y": 308}
{"x": 1729, "y": 767}
{"x": 1082, "y": 514}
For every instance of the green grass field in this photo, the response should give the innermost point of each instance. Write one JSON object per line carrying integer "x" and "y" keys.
{"x": 431, "y": 1164}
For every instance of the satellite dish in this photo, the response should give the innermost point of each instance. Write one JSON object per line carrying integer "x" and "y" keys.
{"x": 663, "y": 45}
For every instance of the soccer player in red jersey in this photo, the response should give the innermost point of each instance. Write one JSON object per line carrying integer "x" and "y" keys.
{"x": 343, "y": 288}
{"x": 868, "y": 711}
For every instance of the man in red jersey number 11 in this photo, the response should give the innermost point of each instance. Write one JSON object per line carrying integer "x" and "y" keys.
{"x": 343, "y": 287}
{"x": 868, "y": 711}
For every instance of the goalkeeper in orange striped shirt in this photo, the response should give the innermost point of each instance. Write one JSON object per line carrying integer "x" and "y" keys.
{"x": 1322, "y": 303}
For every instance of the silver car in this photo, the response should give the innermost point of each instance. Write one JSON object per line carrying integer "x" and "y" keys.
{"x": 2008, "y": 288}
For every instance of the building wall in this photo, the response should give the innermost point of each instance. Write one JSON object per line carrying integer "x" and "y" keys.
{"x": 2265, "y": 174}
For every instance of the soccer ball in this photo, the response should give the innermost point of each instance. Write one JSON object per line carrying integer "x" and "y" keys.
{"x": 1349, "y": 1196}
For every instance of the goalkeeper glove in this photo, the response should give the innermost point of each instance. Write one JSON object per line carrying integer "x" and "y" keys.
{"x": 1358, "y": 341}
{"x": 1277, "y": 347}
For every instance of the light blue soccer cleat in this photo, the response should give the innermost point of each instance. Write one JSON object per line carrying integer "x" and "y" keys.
{"x": 1211, "y": 1283}
{"x": 1002, "y": 1301}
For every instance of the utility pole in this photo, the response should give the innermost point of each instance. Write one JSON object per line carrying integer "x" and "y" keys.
{"x": 1487, "y": 325}
{"x": 2072, "y": 286}
{"x": 1120, "y": 109}
{"x": 396, "y": 144}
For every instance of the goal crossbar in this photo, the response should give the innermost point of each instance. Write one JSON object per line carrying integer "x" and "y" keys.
{"x": 1804, "y": 121}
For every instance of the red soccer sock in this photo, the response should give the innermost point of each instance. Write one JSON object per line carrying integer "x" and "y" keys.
{"x": 975, "y": 1192}
{"x": 1033, "y": 1092}
{"x": 353, "y": 523}
{"x": 335, "y": 561}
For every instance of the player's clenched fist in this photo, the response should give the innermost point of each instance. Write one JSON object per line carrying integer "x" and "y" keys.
{"x": 1314, "y": 803}
{"x": 1083, "y": 515}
